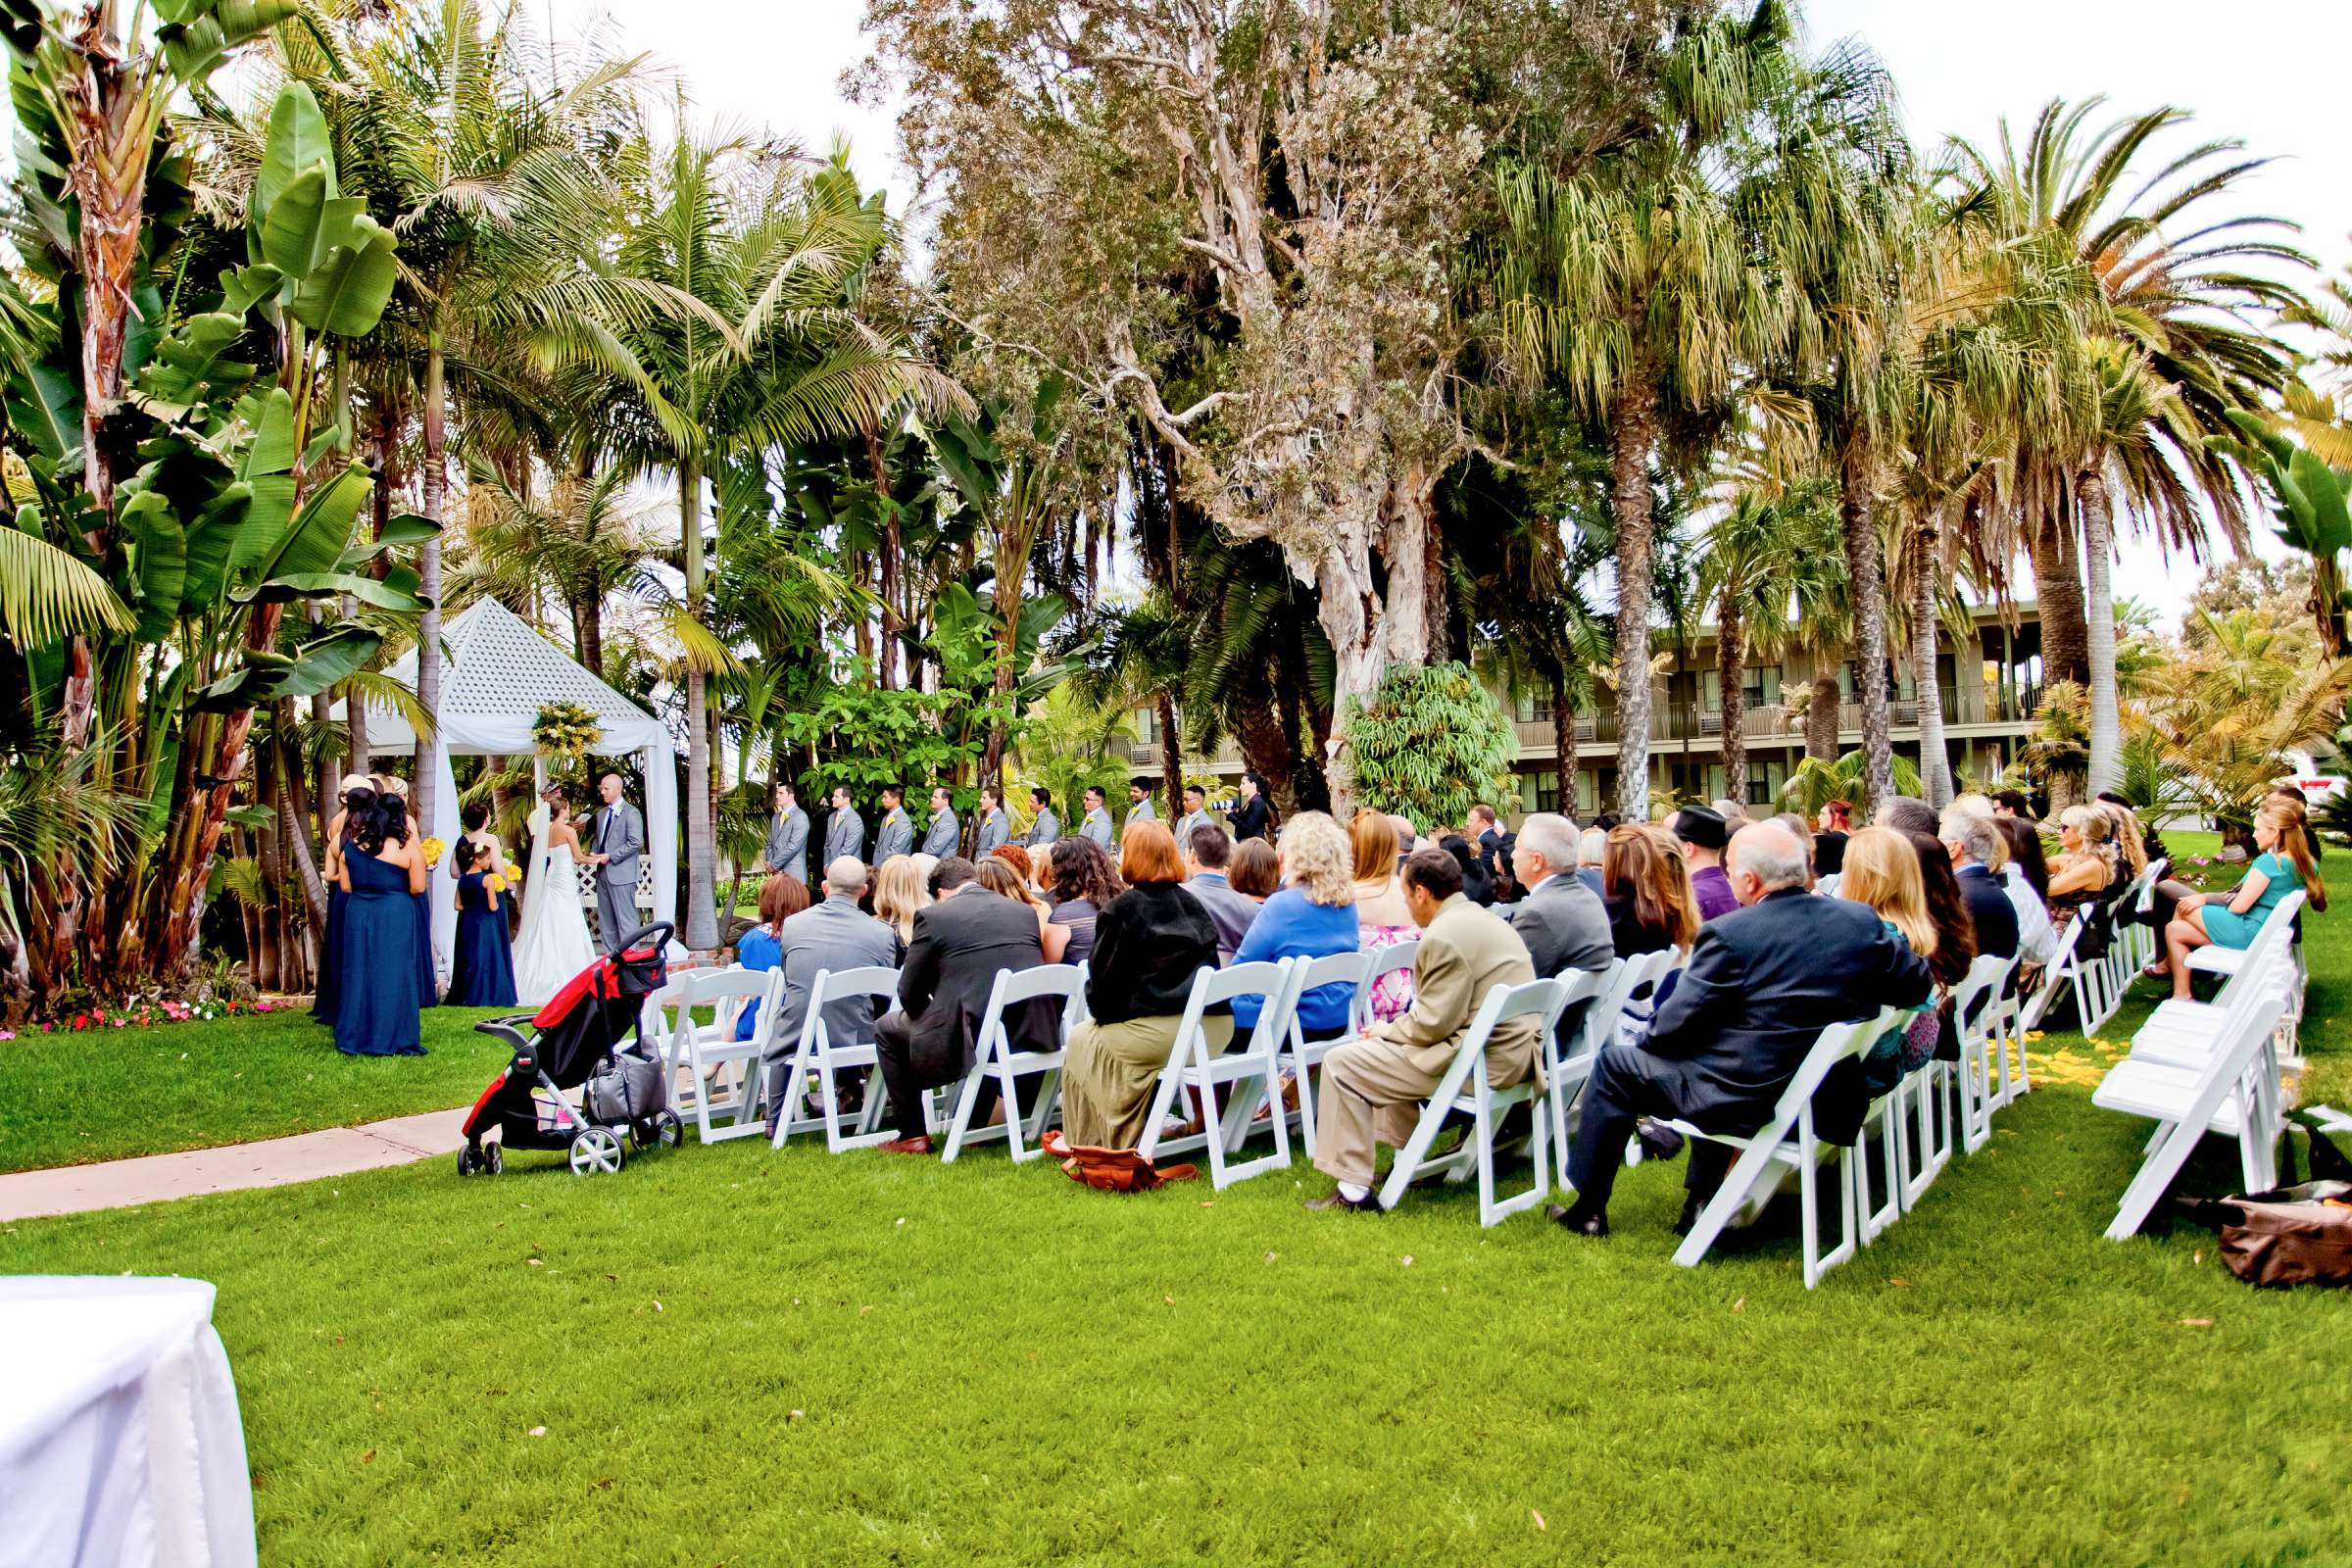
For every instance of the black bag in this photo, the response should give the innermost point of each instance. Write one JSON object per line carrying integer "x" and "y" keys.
{"x": 628, "y": 1085}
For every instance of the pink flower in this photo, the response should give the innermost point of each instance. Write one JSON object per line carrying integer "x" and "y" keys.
{"x": 120, "y": 1022}
{"x": 8, "y": 1034}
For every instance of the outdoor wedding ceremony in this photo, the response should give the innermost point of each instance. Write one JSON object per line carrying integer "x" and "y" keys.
{"x": 1208, "y": 781}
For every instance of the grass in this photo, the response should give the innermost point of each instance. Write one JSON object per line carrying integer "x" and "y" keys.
{"x": 749, "y": 1357}
{"x": 70, "y": 1099}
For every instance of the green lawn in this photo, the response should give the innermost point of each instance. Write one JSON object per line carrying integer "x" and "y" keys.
{"x": 69, "y": 1099}
{"x": 743, "y": 1358}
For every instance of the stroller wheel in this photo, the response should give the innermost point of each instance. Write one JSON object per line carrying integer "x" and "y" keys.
{"x": 671, "y": 1131}
{"x": 468, "y": 1162}
{"x": 597, "y": 1151}
{"x": 493, "y": 1160}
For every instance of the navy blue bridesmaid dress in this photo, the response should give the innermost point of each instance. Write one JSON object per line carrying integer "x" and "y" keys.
{"x": 331, "y": 956}
{"x": 428, "y": 981}
{"x": 377, "y": 1001}
{"x": 482, "y": 972}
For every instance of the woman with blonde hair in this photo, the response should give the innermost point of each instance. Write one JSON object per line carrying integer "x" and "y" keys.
{"x": 1313, "y": 916}
{"x": 1382, "y": 919}
{"x": 2282, "y": 866}
{"x": 2130, "y": 840}
{"x": 1885, "y": 872}
{"x": 899, "y": 894}
{"x": 1646, "y": 888}
{"x": 998, "y": 876}
{"x": 2087, "y": 868}
{"x": 1150, "y": 942}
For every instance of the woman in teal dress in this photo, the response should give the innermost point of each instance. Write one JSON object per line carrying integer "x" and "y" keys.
{"x": 378, "y": 998}
{"x": 2282, "y": 865}
{"x": 482, "y": 970}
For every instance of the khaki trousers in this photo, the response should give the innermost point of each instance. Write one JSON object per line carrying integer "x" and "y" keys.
{"x": 1370, "y": 1093}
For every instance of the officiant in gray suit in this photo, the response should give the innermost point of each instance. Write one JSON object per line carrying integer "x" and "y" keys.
{"x": 619, "y": 842}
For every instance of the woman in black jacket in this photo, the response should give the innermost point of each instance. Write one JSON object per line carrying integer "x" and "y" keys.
{"x": 1150, "y": 942}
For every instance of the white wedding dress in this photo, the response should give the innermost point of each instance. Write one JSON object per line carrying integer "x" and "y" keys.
{"x": 554, "y": 944}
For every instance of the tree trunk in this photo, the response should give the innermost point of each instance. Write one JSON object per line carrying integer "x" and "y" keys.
{"x": 1934, "y": 761}
{"x": 294, "y": 829}
{"x": 1171, "y": 759}
{"x": 1563, "y": 743}
{"x": 1865, "y": 572}
{"x": 428, "y": 628}
{"x": 270, "y": 961}
{"x": 1631, "y": 429}
{"x": 1820, "y": 708}
{"x": 1731, "y": 647}
{"x": 1352, "y": 616}
{"x": 2106, "y": 719}
{"x": 2058, "y": 598}
{"x": 702, "y": 842}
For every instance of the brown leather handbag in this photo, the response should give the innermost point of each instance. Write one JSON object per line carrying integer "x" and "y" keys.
{"x": 1111, "y": 1170}
{"x": 2293, "y": 1235}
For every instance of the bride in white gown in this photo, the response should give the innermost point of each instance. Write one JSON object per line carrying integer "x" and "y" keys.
{"x": 554, "y": 944}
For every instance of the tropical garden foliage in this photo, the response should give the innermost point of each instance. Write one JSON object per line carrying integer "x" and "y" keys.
{"x": 1265, "y": 371}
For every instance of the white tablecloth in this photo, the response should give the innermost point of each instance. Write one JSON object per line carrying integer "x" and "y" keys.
{"x": 119, "y": 1434}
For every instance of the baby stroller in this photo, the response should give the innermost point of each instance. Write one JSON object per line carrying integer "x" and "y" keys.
{"x": 577, "y": 1044}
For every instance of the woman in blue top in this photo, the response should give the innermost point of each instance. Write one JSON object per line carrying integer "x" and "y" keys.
{"x": 761, "y": 948}
{"x": 2282, "y": 866}
{"x": 1312, "y": 917}
{"x": 481, "y": 971}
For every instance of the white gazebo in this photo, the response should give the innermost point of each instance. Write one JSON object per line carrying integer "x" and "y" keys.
{"x": 498, "y": 674}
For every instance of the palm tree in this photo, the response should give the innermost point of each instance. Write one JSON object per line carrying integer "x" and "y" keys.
{"x": 2177, "y": 287}
{"x": 1754, "y": 558}
{"x": 1631, "y": 282}
{"x": 774, "y": 354}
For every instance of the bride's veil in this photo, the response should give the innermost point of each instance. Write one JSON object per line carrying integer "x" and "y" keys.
{"x": 534, "y": 885}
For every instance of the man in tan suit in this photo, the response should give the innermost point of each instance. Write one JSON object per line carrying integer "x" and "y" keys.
{"x": 1372, "y": 1085}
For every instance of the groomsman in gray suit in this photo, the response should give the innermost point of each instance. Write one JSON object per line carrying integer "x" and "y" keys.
{"x": 620, "y": 840}
{"x": 1046, "y": 828}
{"x": 1196, "y": 814}
{"x": 845, "y": 833}
{"x": 996, "y": 823}
{"x": 897, "y": 833}
{"x": 1097, "y": 825}
{"x": 1138, "y": 805}
{"x": 788, "y": 836}
{"x": 945, "y": 834}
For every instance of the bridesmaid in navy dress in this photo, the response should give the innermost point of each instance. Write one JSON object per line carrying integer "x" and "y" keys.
{"x": 482, "y": 971}
{"x": 396, "y": 809}
{"x": 358, "y": 795}
{"x": 378, "y": 999}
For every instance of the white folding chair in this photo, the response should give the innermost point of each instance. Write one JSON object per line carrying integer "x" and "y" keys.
{"x": 707, "y": 1057}
{"x": 1787, "y": 1143}
{"x": 1982, "y": 1074}
{"x": 2223, "y": 1097}
{"x": 818, "y": 1052}
{"x": 1304, "y": 1055}
{"x": 1387, "y": 960}
{"x": 1604, "y": 1021}
{"x": 2213, "y": 959}
{"x": 1250, "y": 1073}
{"x": 994, "y": 1057}
{"x": 2182, "y": 1032}
{"x": 1466, "y": 1088}
{"x": 1565, "y": 1070}
{"x": 2146, "y": 940}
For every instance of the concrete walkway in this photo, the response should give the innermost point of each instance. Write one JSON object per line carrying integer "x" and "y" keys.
{"x": 273, "y": 1163}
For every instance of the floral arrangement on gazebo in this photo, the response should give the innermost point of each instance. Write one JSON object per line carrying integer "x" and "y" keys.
{"x": 566, "y": 730}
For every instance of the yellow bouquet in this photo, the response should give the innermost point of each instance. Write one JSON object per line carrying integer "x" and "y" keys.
{"x": 513, "y": 873}
{"x": 432, "y": 852}
{"x": 495, "y": 883}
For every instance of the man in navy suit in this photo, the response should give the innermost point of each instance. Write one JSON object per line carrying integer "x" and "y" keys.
{"x": 1762, "y": 983}
{"x": 1978, "y": 849}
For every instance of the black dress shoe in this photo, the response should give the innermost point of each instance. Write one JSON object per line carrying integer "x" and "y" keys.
{"x": 1579, "y": 1222}
{"x": 1369, "y": 1204}
{"x": 1658, "y": 1141}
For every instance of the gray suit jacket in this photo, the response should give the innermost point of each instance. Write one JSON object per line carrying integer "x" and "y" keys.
{"x": 897, "y": 836}
{"x": 1141, "y": 811}
{"x": 941, "y": 837}
{"x": 1047, "y": 829}
{"x": 788, "y": 843}
{"x": 1185, "y": 825}
{"x": 994, "y": 833}
{"x": 618, "y": 830}
{"x": 845, "y": 834}
{"x": 1564, "y": 927}
{"x": 1097, "y": 826}
{"x": 1229, "y": 911}
{"x": 834, "y": 935}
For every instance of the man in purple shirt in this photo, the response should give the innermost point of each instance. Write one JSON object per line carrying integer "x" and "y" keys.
{"x": 1705, "y": 833}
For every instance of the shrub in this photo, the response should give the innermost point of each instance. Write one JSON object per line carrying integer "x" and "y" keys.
{"x": 1432, "y": 743}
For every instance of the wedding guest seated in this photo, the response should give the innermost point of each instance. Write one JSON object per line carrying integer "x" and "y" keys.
{"x": 1886, "y": 876}
{"x": 1704, "y": 836}
{"x": 1905, "y": 815}
{"x": 1383, "y": 919}
{"x": 1150, "y": 942}
{"x": 1591, "y": 857}
{"x": 900, "y": 894}
{"x": 961, "y": 942}
{"x": 1802, "y": 831}
{"x": 1207, "y": 852}
{"x": 1477, "y": 886}
{"x": 1256, "y": 870}
{"x": 1828, "y": 843}
{"x": 1014, "y": 855}
{"x": 1083, "y": 884}
{"x": 1761, "y": 985}
{"x": 998, "y": 876}
{"x": 482, "y": 969}
{"x": 1373, "y": 1085}
{"x": 761, "y": 948}
{"x": 2282, "y": 866}
{"x": 833, "y": 935}
{"x": 2025, "y": 878}
{"x": 1563, "y": 924}
{"x": 2087, "y": 869}
{"x": 2012, "y": 804}
{"x": 1977, "y": 852}
{"x": 1314, "y": 916}
{"x": 1648, "y": 899}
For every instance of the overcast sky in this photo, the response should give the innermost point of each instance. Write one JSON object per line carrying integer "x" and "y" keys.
{"x": 2270, "y": 74}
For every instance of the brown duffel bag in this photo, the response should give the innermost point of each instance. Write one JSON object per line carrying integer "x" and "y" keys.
{"x": 2292, "y": 1236}
{"x": 1111, "y": 1170}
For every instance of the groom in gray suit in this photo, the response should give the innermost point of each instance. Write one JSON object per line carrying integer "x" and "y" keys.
{"x": 620, "y": 840}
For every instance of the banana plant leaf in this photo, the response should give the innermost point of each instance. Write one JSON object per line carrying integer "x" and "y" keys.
{"x": 347, "y": 292}
{"x": 317, "y": 664}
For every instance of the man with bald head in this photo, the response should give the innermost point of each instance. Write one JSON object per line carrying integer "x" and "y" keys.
{"x": 617, "y": 840}
{"x": 1762, "y": 983}
{"x": 833, "y": 935}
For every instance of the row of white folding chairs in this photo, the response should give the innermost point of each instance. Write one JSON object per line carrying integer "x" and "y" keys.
{"x": 2198, "y": 1068}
